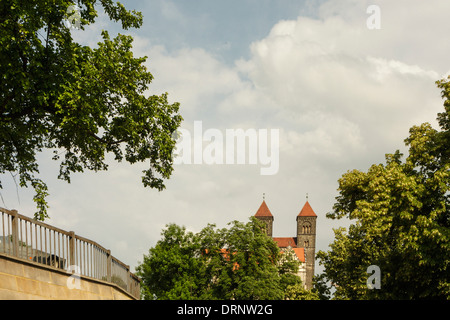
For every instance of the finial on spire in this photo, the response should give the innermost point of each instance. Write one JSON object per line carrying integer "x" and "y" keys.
{"x": 306, "y": 196}
{"x": 264, "y": 196}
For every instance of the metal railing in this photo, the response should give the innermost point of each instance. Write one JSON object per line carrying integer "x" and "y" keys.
{"x": 35, "y": 241}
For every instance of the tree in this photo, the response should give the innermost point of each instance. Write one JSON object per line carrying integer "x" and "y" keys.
{"x": 240, "y": 262}
{"x": 172, "y": 270}
{"x": 401, "y": 214}
{"x": 81, "y": 102}
{"x": 298, "y": 292}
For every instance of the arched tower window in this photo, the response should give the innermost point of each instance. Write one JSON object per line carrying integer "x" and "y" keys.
{"x": 306, "y": 228}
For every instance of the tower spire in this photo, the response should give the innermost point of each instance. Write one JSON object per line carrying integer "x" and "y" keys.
{"x": 266, "y": 216}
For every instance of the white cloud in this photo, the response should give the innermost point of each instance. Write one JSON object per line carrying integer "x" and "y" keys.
{"x": 330, "y": 137}
{"x": 327, "y": 67}
{"x": 384, "y": 68}
{"x": 192, "y": 76}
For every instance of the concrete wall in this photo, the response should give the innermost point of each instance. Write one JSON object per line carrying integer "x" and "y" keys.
{"x": 23, "y": 280}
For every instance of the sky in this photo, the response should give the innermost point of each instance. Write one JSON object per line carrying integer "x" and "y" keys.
{"x": 342, "y": 85}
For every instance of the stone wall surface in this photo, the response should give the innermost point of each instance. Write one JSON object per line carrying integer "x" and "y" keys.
{"x": 23, "y": 280}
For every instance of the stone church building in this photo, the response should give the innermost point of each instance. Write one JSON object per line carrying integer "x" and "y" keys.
{"x": 303, "y": 244}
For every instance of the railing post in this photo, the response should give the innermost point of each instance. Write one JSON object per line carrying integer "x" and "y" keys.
{"x": 108, "y": 265}
{"x": 128, "y": 279}
{"x": 72, "y": 248}
{"x": 15, "y": 232}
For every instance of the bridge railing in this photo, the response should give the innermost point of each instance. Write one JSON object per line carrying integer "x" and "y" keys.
{"x": 35, "y": 241}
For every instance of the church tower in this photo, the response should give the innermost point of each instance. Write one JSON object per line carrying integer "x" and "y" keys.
{"x": 306, "y": 238}
{"x": 266, "y": 216}
{"x": 303, "y": 244}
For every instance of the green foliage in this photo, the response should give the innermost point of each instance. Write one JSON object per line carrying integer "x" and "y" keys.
{"x": 401, "y": 215}
{"x": 320, "y": 287}
{"x": 167, "y": 270}
{"x": 240, "y": 262}
{"x": 82, "y": 102}
{"x": 298, "y": 292}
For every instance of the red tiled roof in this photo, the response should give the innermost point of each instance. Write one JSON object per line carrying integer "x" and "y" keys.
{"x": 307, "y": 211}
{"x": 263, "y": 211}
{"x": 300, "y": 253}
{"x": 286, "y": 242}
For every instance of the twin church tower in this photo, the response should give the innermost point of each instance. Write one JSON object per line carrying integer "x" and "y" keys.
{"x": 303, "y": 245}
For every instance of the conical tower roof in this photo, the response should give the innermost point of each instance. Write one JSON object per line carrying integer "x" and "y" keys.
{"x": 263, "y": 210}
{"x": 307, "y": 211}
